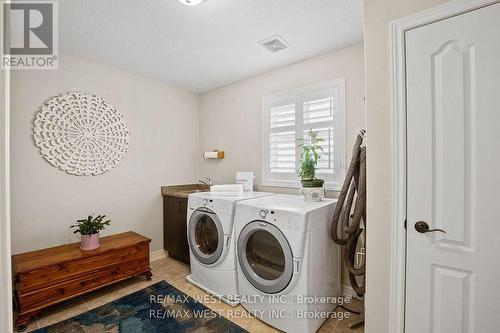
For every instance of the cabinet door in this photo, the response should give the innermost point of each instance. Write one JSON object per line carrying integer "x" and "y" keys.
{"x": 169, "y": 226}
{"x": 165, "y": 223}
{"x": 175, "y": 228}
{"x": 182, "y": 232}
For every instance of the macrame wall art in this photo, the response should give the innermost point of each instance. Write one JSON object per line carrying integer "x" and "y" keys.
{"x": 81, "y": 134}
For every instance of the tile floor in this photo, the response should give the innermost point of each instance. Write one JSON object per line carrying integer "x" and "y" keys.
{"x": 174, "y": 272}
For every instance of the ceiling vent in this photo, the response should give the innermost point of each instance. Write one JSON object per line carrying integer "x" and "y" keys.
{"x": 274, "y": 43}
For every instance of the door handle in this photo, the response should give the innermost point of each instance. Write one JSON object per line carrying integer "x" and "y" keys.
{"x": 423, "y": 228}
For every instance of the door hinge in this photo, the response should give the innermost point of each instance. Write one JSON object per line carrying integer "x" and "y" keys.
{"x": 405, "y": 224}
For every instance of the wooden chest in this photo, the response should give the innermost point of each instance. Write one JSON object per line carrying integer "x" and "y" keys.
{"x": 46, "y": 277}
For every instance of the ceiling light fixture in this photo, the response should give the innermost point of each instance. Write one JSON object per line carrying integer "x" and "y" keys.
{"x": 191, "y": 2}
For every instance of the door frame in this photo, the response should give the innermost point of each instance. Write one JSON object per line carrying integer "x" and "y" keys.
{"x": 397, "y": 270}
{"x": 6, "y": 315}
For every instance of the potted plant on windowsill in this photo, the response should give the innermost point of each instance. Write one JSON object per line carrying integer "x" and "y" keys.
{"x": 89, "y": 229}
{"x": 312, "y": 187}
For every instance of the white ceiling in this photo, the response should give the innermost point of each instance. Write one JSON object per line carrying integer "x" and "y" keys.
{"x": 204, "y": 47}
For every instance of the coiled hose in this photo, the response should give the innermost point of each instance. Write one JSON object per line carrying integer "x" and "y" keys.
{"x": 354, "y": 190}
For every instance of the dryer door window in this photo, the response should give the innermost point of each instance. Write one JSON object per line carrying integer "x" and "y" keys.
{"x": 205, "y": 236}
{"x": 265, "y": 257}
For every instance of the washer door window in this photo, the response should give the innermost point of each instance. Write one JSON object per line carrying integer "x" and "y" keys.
{"x": 265, "y": 257}
{"x": 205, "y": 235}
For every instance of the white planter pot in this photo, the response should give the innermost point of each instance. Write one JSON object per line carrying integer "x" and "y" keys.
{"x": 313, "y": 194}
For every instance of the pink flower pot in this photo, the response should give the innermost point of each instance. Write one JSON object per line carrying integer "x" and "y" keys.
{"x": 90, "y": 242}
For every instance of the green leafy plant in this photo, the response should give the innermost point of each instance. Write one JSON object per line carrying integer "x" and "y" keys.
{"x": 91, "y": 225}
{"x": 311, "y": 153}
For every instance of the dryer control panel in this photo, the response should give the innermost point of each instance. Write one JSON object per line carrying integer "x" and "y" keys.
{"x": 281, "y": 219}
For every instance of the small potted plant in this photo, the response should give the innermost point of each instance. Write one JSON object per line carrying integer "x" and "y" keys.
{"x": 89, "y": 230}
{"x": 312, "y": 187}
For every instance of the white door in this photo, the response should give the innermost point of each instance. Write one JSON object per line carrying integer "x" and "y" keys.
{"x": 453, "y": 147}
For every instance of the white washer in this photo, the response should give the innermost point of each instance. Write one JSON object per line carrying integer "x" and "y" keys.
{"x": 285, "y": 254}
{"x": 211, "y": 244}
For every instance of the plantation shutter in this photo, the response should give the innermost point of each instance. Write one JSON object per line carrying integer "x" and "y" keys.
{"x": 322, "y": 111}
{"x": 318, "y": 115}
{"x": 282, "y": 138}
{"x": 289, "y": 117}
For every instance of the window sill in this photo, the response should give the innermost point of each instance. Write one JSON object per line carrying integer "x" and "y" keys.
{"x": 296, "y": 185}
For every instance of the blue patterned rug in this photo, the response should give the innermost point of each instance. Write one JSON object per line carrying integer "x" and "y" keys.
{"x": 158, "y": 308}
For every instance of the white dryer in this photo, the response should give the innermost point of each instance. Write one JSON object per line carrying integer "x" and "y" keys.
{"x": 286, "y": 260}
{"x": 211, "y": 245}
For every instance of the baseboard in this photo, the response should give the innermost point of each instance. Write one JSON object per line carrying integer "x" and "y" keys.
{"x": 157, "y": 255}
{"x": 347, "y": 291}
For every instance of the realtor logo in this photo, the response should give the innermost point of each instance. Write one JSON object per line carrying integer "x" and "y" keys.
{"x": 29, "y": 38}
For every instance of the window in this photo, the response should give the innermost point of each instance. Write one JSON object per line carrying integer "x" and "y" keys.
{"x": 288, "y": 117}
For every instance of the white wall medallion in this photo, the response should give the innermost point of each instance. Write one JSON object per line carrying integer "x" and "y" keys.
{"x": 81, "y": 134}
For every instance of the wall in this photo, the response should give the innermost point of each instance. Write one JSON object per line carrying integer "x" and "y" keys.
{"x": 377, "y": 15}
{"x": 231, "y": 116}
{"x": 163, "y": 122}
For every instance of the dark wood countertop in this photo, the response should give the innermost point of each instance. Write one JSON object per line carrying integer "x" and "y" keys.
{"x": 182, "y": 191}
